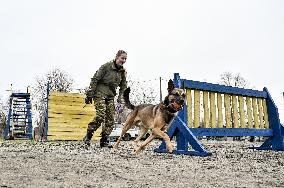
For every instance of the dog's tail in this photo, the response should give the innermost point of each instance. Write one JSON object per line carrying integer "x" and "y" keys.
{"x": 126, "y": 99}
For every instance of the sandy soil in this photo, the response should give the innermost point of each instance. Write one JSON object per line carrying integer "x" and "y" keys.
{"x": 69, "y": 164}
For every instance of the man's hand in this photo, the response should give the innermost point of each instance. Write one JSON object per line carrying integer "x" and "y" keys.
{"x": 88, "y": 100}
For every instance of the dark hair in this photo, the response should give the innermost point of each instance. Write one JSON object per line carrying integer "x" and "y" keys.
{"x": 119, "y": 52}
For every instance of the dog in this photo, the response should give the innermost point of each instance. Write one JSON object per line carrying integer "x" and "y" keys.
{"x": 154, "y": 117}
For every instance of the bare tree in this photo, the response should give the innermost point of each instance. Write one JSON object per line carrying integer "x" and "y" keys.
{"x": 228, "y": 79}
{"x": 54, "y": 80}
{"x": 4, "y": 106}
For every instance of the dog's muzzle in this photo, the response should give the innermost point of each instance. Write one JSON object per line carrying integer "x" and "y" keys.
{"x": 177, "y": 104}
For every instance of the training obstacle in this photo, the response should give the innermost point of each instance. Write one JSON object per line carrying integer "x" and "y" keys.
{"x": 227, "y": 111}
{"x": 19, "y": 120}
{"x": 67, "y": 116}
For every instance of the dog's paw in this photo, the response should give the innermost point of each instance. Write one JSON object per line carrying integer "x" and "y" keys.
{"x": 137, "y": 150}
{"x": 170, "y": 148}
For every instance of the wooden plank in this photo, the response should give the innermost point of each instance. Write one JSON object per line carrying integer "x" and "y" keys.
{"x": 227, "y": 110}
{"x": 220, "y": 110}
{"x": 212, "y": 110}
{"x": 206, "y": 109}
{"x": 189, "y": 107}
{"x": 260, "y": 112}
{"x": 235, "y": 111}
{"x": 70, "y": 137}
{"x": 266, "y": 125}
{"x": 242, "y": 111}
{"x": 64, "y": 135}
{"x": 68, "y": 121}
{"x": 196, "y": 108}
{"x": 66, "y": 125}
{"x": 64, "y": 94}
{"x": 249, "y": 112}
{"x": 255, "y": 112}
{"x": 67, "y": 101}
{"x": 70, "y": 109}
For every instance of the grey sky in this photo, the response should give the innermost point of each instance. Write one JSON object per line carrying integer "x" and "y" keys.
{"x": 199, "y": 39}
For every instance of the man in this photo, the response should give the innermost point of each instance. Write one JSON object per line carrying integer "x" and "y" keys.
{"x": 103, "y": 90}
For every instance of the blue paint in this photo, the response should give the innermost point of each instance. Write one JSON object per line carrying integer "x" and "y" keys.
{"x": 231, "y": 132}
{"x": 190, "y": 84}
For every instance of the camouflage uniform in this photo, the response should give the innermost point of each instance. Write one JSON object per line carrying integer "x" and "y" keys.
{"x": 103, "y": 90}
{"x": 105, "y": 111}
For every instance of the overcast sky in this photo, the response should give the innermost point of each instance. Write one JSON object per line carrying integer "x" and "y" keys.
{"x": 198, "y": 39}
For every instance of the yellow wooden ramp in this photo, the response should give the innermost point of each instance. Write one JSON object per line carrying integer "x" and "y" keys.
{"x": 67, "y": 119}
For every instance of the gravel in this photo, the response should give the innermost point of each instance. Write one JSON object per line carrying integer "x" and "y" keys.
{"x": 70, "y": 164}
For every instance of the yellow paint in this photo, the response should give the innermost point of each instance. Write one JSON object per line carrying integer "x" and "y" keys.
{"x": 242, "y": 112}
{"x": 235, "y": 112}
{"x": 67, "y": 118}
{"x": 249, "y": 112}
{"x": 212, "y": 110}
{"x": 189, "y": 107}
{"x": 227, "y": 111}
{"x": 220, "y": 113}
{"x": 255, "y": 113}
{"x": 260, "y": 110}
{"x": 196, "y": 108}
{"x": 266, "y": 125}
{"x": 206, "y": 110}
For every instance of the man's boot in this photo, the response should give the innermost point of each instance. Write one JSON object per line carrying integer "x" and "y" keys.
{"x": 104, "y": 141}
{"x": 88, "y": 137}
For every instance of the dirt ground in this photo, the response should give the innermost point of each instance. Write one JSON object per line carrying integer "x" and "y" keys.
{"x": 69, "y": 164}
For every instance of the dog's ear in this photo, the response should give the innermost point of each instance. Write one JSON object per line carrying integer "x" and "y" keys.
{"x": 170, "y": 86}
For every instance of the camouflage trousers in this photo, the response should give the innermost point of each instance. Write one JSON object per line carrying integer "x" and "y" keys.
{"x": 105, "y": 111}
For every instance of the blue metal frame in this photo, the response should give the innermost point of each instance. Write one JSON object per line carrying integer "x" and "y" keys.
{"x": 185, "y": 135}
{"x": 29, "y": 116}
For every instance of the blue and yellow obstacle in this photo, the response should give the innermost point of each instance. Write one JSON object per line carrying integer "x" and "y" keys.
{"x": 227, "y": 111}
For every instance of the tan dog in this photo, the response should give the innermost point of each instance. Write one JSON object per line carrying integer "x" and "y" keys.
{"x": 154, "y": 117}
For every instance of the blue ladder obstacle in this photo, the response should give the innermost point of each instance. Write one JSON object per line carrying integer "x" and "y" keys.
{"x": 185, "y": 135}
{"x": 19, "y": 121}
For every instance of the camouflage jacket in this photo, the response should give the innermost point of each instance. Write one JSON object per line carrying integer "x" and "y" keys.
{"x": 106, "y": 80}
